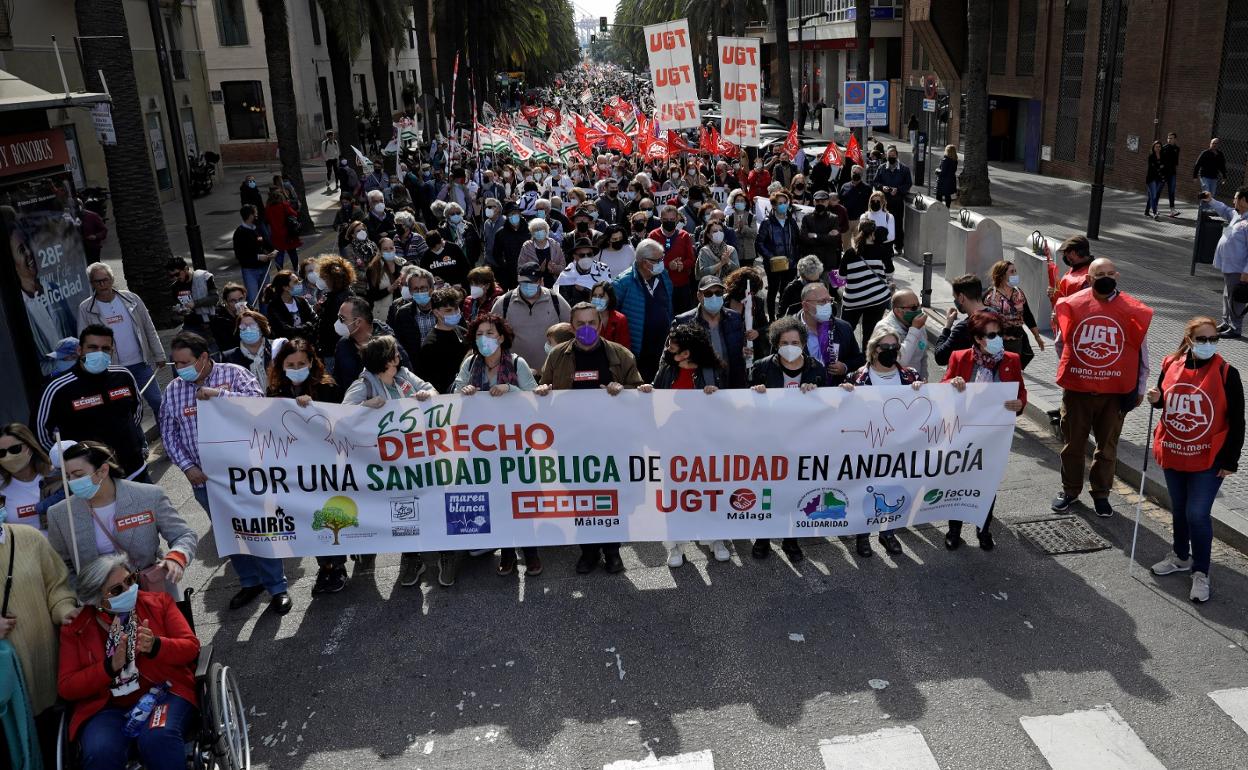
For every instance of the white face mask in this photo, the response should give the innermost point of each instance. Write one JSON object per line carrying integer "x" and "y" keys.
{"x": 341, "y": 329}
{"x": 790, "y": 353}
{"x": 476, "y": 292}
{"x": 585, "y": 263}
{"x": 361, "y": 235}
{"x": 717, "y": 237}
{"x": 379, "y": 208}
{"x": 489, "y": 212}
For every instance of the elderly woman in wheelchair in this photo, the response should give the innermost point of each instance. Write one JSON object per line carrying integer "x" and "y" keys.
{"x": 124, "y": 643}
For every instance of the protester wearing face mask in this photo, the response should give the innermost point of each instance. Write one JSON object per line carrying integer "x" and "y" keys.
{"x": 337, "y": 274}
{"x": 96, "y": 401}
{"x": 383, "y": 278}
{"x": 492, "y": 221}
{"x": 1076, "y": 252}
{"x": 1008, "y": 299}
{"x": 741, "y": 221}
{"x": 122, "y": 641}
{"x": 444, "y": 346}
{"x": 894, "y": 180}
{"x": 679, "y": 258}
{"x": 355, "y": 326}
{"x": 1101, "y": 342}
{"x": 249, "y": 193}
{"x": 29, "y": 484}
{"x": 885, "y": 228}
{"x": 968, "y": 294}
{"x": 113, "y": 515}
{"x": 855, "y": 194}
{"x": 445, "y": 260}
{"x": 583, "y": 272}
{"x": 543, "y": 252}
{"x": 609, "y": 206}
{"x": 256, "y": 346}
{"x": 829, "y": 340}
{"x": 194, "y": 294}
{"x": 583, "y": 224}
{"x": 224, "y": 321}
{"x": 645, "y": 295}
{"x": 508, "y": 241}
{"x": 380, "y": 219}
{"x": 459, "y": 231}
{"x": 283, "y": 232}
{"x": 867, "y": 289}
{"x": 412, "y": 317}
{"x": 531, "y": 309}
{"x": 724, "y": 326}
{"x": 757, "y": 180}
{"x": 716, "y": 257}
{"x": 409, "y": 245}
{"x": 612, "y": 324}
{"x": 988, "y": 361}
{"x": 777, "y": 245}
{"x": 617, "y": 251}
{"x": 483, "y": 292}
{"x": 289, "y": 313}
{"x": 908, "y": 323}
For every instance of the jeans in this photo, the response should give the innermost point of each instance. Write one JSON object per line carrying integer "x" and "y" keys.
{"x": 1154, "y": 197}
{"x": 105, "y": 746}
{"x": 294, "y": 259}
{"x": 252, "y": 570}
{"x": 253, "y": 279}
{"x": 1171, "y": 182}
{"x": 151, "y": 394}
{"x": 1210, "y": 185}
{"x": 1191, "y": 505}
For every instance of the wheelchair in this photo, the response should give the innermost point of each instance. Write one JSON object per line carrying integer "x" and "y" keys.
{"x": 218, "y": 742}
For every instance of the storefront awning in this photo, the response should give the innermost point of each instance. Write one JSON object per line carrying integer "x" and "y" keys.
{"x": 17, "y": 94}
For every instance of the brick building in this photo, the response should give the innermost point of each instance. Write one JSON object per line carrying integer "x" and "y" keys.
{"x": 1182, "y": 67}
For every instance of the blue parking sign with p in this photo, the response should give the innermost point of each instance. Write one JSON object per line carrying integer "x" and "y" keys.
{"x": 866, "y": 103}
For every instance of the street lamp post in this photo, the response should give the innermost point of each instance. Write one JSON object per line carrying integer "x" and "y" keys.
{"x": 801, "y": 62}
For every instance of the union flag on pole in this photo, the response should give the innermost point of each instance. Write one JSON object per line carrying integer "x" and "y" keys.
{"x": 724, "y": 147}
{"x": 853, "y": 151}
{"x": 618, "y": 140}
{"x": 832, "y": 156}
{"x": 790, "y": 146}
{"x": 676, "y": 143}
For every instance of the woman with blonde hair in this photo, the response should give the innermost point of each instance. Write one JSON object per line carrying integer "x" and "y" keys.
{"x": 947, "y": 175}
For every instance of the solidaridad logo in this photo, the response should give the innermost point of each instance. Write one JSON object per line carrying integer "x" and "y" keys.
{"x": 826, "y": 508}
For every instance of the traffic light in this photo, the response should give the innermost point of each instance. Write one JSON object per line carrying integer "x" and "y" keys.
{"x": 942, "y": 108}
{"x": 602, "y": 23}
{"x": 593, "y": 38}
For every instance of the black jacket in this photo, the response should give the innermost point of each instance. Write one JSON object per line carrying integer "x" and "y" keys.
{"x": 1169, "y": 159}
{"x": 347, "y": 361}
{"x": 221, "y": 324}
{"x": 507, "y": 243}
{"x": 703, "y": 377}
{"x": 301, "y": 323}
{"x": 249, "y": 244}
{"x": 732, "y": 326}
{"x": 379, "y": 227}
{"x": 441, "y": 353}
{"x": 102, "y": 407}
{"x": 956, "y": 337}
{"x": 768, "y": 371}
{"x": 327, "y": 338}
{"x": 407, "y": 328}
{"x": 1211, "y": 164}
{"x": 816, "y": 237}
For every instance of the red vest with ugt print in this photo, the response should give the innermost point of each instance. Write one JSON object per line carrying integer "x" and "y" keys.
{"x": 1193, "y": 422}
{"x": 1101, "y": 342}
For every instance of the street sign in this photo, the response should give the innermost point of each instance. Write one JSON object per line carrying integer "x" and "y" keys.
{"x": 866, "y": 103}
{"x": 929, "y": 105}
{"x": 929, "y": 86}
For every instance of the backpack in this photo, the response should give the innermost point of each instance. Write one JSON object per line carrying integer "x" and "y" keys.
{"x": 507, "y": 303}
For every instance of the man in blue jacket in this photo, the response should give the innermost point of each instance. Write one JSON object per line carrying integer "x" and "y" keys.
{"x": 643, "y": 293}
{"x": 726, "y": 327}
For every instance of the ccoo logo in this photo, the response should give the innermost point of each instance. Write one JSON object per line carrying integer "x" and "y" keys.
{"x": 1098, "y": 341}
{"x": 1189, "y": 412}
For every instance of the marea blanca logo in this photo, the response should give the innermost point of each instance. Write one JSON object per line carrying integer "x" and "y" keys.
{"x": 1098, "y": 341}
{"x": 467, "y": 513}
{"x": 884, "y": 505}
{"x": 338, "y": 513}
{"x": 823, "y": 508}
{"x": 1189, "y": 412}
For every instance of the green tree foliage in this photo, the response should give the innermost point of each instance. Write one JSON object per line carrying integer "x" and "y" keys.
{"x": 335, "y": 519}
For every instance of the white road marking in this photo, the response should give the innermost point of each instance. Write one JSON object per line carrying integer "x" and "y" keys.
{"x": 339, "y": 633}
{"x": 893, "y": 748}
{"x": 697, "y": 760}
{"x": 1234, "y": 703}
{"x": 1096, "y": 739}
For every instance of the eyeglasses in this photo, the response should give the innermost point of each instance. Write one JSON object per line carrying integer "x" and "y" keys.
{"x": 1197, "y": 340}
{"x": 713, "y": 293}
{"x": 123, "y": 586}
{"x": 892, "y": 347}
{"x": 907, "y": 307}
{"x": 16, "y": 449}
{"x": 988, "y": 335}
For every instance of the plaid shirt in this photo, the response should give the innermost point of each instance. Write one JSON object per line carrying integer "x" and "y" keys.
{"x": 178, "y": 409}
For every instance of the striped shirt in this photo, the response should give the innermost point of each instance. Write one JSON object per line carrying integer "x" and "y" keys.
{"x": 179, "y": 428}
{"x": 865, "y": 282}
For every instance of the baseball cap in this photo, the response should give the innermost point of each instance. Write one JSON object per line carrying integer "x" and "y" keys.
{"x": 528, "y": 274}
{"x": 822, "y": 195}
{"x": 709, "y": 281}
{"x": 65, "y": 350}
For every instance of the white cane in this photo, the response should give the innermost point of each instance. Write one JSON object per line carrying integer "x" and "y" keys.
{"x": 69, "y": 508}
{"x": 1143, "y": 477}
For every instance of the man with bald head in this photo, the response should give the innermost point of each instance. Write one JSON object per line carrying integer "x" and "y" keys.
{"x": 907, "y": 320}
{"x": 1103, "y": 370}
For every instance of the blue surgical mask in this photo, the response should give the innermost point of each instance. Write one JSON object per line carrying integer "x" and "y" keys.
{"x": 599, "y": 303}
{"x": 1203, "y": 351}
{"x": 739, "y": 205}
{"x": 120, "y": 605}
{"x": 487, "y": 345}
{"x": 296, "y": 290}
{"x": 96, "y": 361}
{"x": 298, "y": 376}
{"x": 421, "y": 298}
{"x": 782, "y": 208}
{"x": 514, "y": 219}
{"x": 530, "y": 289}
{"x": 84, "y": 487}
{"x": 252, "y": 184}
{"x": 539, "y": 236}
{"x": 541, "y": 214}
{"x": 189, "y": 373}
{"x": 249, "y": 334}
{"x": 1015, "y": 280}
{"x": 823, "y": 312}
{"x": 995, "y": 346}
{"x": 389, "y": 255}
{"x": 657, "y": 267}
{"x": 456, "y": 218}
{"x": 713, "y": 305}
{"x": 452, "y": 319}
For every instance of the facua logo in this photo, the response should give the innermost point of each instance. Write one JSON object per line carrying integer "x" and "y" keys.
{"x": 934, "y": 496}
{"x": 949, "y": 498}
{"x": 1098, "y": 341}
{"x": 1189, "y": 412}
{"x": 557, "y": 504}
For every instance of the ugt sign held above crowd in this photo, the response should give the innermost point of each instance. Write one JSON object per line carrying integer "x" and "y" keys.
{"x": 473, "y": 472}
{"x": 741, "y": 91}
{"x": 671, "y": 70}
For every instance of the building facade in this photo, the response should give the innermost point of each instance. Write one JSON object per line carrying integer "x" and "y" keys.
{"x": 26, "y": 30}
{"x": 238, "y": 77}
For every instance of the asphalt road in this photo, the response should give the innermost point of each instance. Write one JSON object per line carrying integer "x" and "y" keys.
{"x": 752, "y": 664}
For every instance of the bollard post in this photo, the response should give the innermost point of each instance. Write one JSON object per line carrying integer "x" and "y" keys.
{"x": 925, "y": 297}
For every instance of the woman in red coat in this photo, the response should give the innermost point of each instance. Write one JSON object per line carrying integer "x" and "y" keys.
{"x": 613, "y": 323}
{"x": 277, "y": 213}
{"x": 123, "y": 643}
{"x": 987, "y": 361}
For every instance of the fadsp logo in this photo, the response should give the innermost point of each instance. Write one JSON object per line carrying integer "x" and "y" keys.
{"x": 1189, "y": 412}
{"x": 1098, "y": 341}
{"x": 467, "y": 513}
{"x": 824, "y": 504}
{"x": 884, "y": 505}
{"x": 338, "y": 513}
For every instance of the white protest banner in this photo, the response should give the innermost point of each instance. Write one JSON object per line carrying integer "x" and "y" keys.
{"x": 741, "y": 90}
{"x": 466, "y": 472}
{"x": 671, "y": 70}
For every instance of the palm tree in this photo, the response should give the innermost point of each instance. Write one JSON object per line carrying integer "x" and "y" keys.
{"x": 973, "y": 187}
{"x": 282, "y": 92}
{"x": 425, "y": 53}
{"x": 780, "y": 20}
{"x": 139, "y": 222}
{"x": 387, "y": 30}
{"x": 343, "y": 32}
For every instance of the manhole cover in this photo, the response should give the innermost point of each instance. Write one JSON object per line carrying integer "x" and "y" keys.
{"x": 1064, "y": 534}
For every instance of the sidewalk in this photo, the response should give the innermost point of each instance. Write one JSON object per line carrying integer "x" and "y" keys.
{"x": 1154, "y": 259}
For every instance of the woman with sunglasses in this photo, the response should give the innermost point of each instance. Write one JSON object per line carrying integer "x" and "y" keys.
{"x": 882, "y": 370}
{"x": 987, "y": 361}
{"x": 1008, "y": 299}
{"x": 116, "y": 516}
{"x": 123, "y": 644}
{"x": 27, "y": 479}
{"x": 1197, "y": 443}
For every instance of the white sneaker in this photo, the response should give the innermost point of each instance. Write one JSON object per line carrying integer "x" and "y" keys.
{"x": 720, "y": 549}
{"x": 675, "y": 556}
{"x": 1172, "y": 564}
{"x": 1200, "y": 587}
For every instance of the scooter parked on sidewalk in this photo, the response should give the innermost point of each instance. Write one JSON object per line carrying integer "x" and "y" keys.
{"x": 202, "y": 170}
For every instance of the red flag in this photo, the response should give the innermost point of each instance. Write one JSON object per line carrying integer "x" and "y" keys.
{"x": 550, "y": 116}
{"x": 726, "y": 148}
{"x": 585, "y": 138}
{"x": 655, "y": 150}
{"x": 790, "y": 146}
{"x": 530, "y": 112}
{"x": 833, "y": 156}
{"x": 676, "y": 144}
{"x": 706, "y": 142}
{"x": 618, "y": 140}
{"x": 853, "y": 151}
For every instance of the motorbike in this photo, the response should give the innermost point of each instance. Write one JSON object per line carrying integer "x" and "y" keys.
{"x": 202, "y": 169}
{"x": 96, "y": 199}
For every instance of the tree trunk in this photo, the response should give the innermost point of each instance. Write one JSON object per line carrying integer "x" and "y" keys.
{"x": 973, "y": 187}
{"x": 444, "y": 27}
{"x": 137, "y": 216}
{"x": 738, "y": 18}
{"x": 862, "y": 31}
{"x": 282, "y": 92}
{"x": 380, "y": 58}
{"x": 344, "y": 106}
{"x": 784, "y": 79}
{"x": 428, "y": 78}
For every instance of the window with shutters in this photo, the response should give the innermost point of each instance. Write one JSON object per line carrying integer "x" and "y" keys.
{"x": 1025, "y": 56}
{"x": 1070, "y": 81}
{"x": 1000, "y": 37}
{"x": 1104, "y": 49}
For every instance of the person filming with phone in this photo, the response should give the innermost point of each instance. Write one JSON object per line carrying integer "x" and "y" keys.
{"x": 1231, "y": 257}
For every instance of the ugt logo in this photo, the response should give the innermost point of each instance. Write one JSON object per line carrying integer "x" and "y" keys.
{"x": 1098, "y": 341}
{"x": 1189, "y": 412}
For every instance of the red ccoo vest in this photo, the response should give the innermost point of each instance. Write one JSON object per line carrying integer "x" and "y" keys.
{"x": 1193, "y": 422}
{"x": 1101, "y": 342}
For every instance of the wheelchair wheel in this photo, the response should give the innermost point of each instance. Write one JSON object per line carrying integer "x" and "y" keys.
{"x": 232, "y": 748}
{"x": 66, "y": 757}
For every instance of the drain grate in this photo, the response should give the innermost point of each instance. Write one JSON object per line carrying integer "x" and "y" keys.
{"x": 1063, "y": 534}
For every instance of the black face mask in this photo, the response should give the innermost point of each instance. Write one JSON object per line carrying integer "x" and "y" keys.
{"x": 856, "y": 177}
{"x": 887, "y": 357}
{"x": 875, "y": 205}
{"x": 1104, "y": 285}
{"x": 669, "y": 227}
{"x": 582, "y": 227}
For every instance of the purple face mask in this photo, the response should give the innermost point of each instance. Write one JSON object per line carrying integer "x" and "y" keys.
{"x": 587, "y": 335}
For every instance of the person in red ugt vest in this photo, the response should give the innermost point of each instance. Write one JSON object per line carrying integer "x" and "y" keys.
{"x": 1197, "y": 444}
{"x": 1102, "y": 368}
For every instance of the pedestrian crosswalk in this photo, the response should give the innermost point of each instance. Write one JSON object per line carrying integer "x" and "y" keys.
{"x": 1091, "y": 739}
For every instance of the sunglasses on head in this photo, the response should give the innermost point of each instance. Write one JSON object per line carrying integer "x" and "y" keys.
{"x": 123, "y": 586}
{"x": 16, "y": 449}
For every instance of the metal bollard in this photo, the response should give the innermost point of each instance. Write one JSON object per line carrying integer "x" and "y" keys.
{"x": 925, "y": 297}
